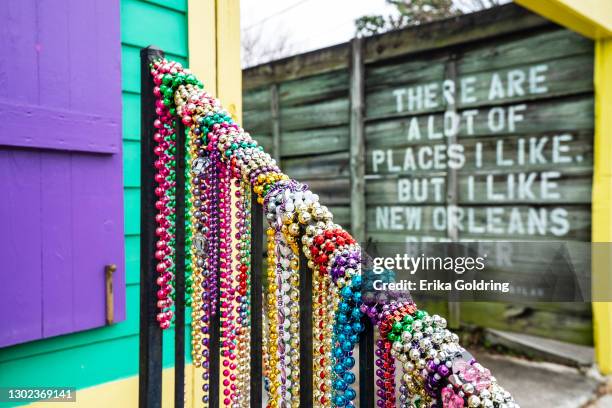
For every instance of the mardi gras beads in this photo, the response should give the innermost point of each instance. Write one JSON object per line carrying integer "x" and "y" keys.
{"x": 198, "y": 214}
{"x": 280, "y": 213}
{"x": 435, "y": 370}
{"x": 243, "y": 320}
{"x": 164, "y": 177}
{"x": 346, "y": 334}
{"x": 332, "y": 250}
{"x": 273, "y": 372}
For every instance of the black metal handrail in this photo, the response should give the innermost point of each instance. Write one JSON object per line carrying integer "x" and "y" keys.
{"x": 150, "y": 355}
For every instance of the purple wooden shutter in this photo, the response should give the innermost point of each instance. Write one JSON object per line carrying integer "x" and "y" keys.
{"x": 60, "y": 166}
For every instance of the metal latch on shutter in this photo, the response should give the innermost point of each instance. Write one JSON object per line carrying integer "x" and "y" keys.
{"x": 110, "y": 304}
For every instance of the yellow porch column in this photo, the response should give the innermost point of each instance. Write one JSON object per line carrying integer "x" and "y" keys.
{"x": 593, "y": 19}
{"x": 214, "y": 57}
{"x": 229, "y": 70}
{"x": 602, "y": 193}
{"x": 214, "y": 50}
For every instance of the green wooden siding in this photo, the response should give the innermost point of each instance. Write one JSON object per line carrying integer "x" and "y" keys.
{"x": 96, "y": 356}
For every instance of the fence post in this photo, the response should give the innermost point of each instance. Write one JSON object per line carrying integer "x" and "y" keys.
{"x": 357, "y": 142}
{"x": 256, "y": 301}
{"x": 358, "y": 214}
{"x": 179, "y": 278}
{"x": 366, "y": 364}
{"x": 150, "y": 353}
{"x": 214, "y": 360}
{"x": 306, "y": 372}
{"x": 454, "y": 308}
{"x": 276, "y": 132}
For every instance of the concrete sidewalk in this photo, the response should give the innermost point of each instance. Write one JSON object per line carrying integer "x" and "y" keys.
{"x": 548, "y": 385}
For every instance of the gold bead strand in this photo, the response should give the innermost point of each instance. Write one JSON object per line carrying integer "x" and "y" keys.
{"x": 271, "y": 301}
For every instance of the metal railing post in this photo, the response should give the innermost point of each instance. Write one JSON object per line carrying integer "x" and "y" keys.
{"x": 150, "y": 353}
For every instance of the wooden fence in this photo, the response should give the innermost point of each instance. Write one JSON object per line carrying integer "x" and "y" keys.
{"x": 476, "y": 127}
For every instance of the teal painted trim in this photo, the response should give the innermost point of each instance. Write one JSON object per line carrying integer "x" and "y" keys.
{"x": 178, "y": 5}
{"x": 82, "y": 366}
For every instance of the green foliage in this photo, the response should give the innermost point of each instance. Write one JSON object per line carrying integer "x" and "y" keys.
{"x": 369, "y": 25}
{"x": 414, "y": 12}
{"x": 424, "y": 11}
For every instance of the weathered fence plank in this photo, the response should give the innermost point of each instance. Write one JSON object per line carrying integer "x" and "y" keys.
{"x": 483, "y": 189}
{"x": 275, "y": 113}
{"x": 260, "y": 120}
{"x": 315, "y": 141}
{"x": 327, "y": 113}
{"x": 396, "y": 223}
{"x": 399, "y": 161}
{"x": 322, "y": 166}
{"x": 257, "y": 98}
{"x": 546, "y": 116}
{"x": 330, "y": 85}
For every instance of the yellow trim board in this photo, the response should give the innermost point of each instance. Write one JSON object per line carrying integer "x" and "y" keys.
{"x": 202, "y": 42}
{"x": 124, "y": 393}
{"x": 229, "y": 69}
{"x": 214, "y": 56}
{"x": 591, "y": 18}
{"x": 214, "y": 50}
{"x": 602, "y": 197}
{"x": 229, "y": 91}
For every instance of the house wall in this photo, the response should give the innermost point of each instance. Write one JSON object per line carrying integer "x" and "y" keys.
{"x": 105, "y": 360}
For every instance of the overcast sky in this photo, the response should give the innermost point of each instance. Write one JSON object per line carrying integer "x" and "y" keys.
{"x": 308, "y": 24}
{"x": 311, "y": 24}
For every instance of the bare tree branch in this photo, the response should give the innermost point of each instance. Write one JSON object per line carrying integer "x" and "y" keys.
{"x": 257, "y": 50}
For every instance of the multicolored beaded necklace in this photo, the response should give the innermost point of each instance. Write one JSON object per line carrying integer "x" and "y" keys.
{"x": 225, "y": 164}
